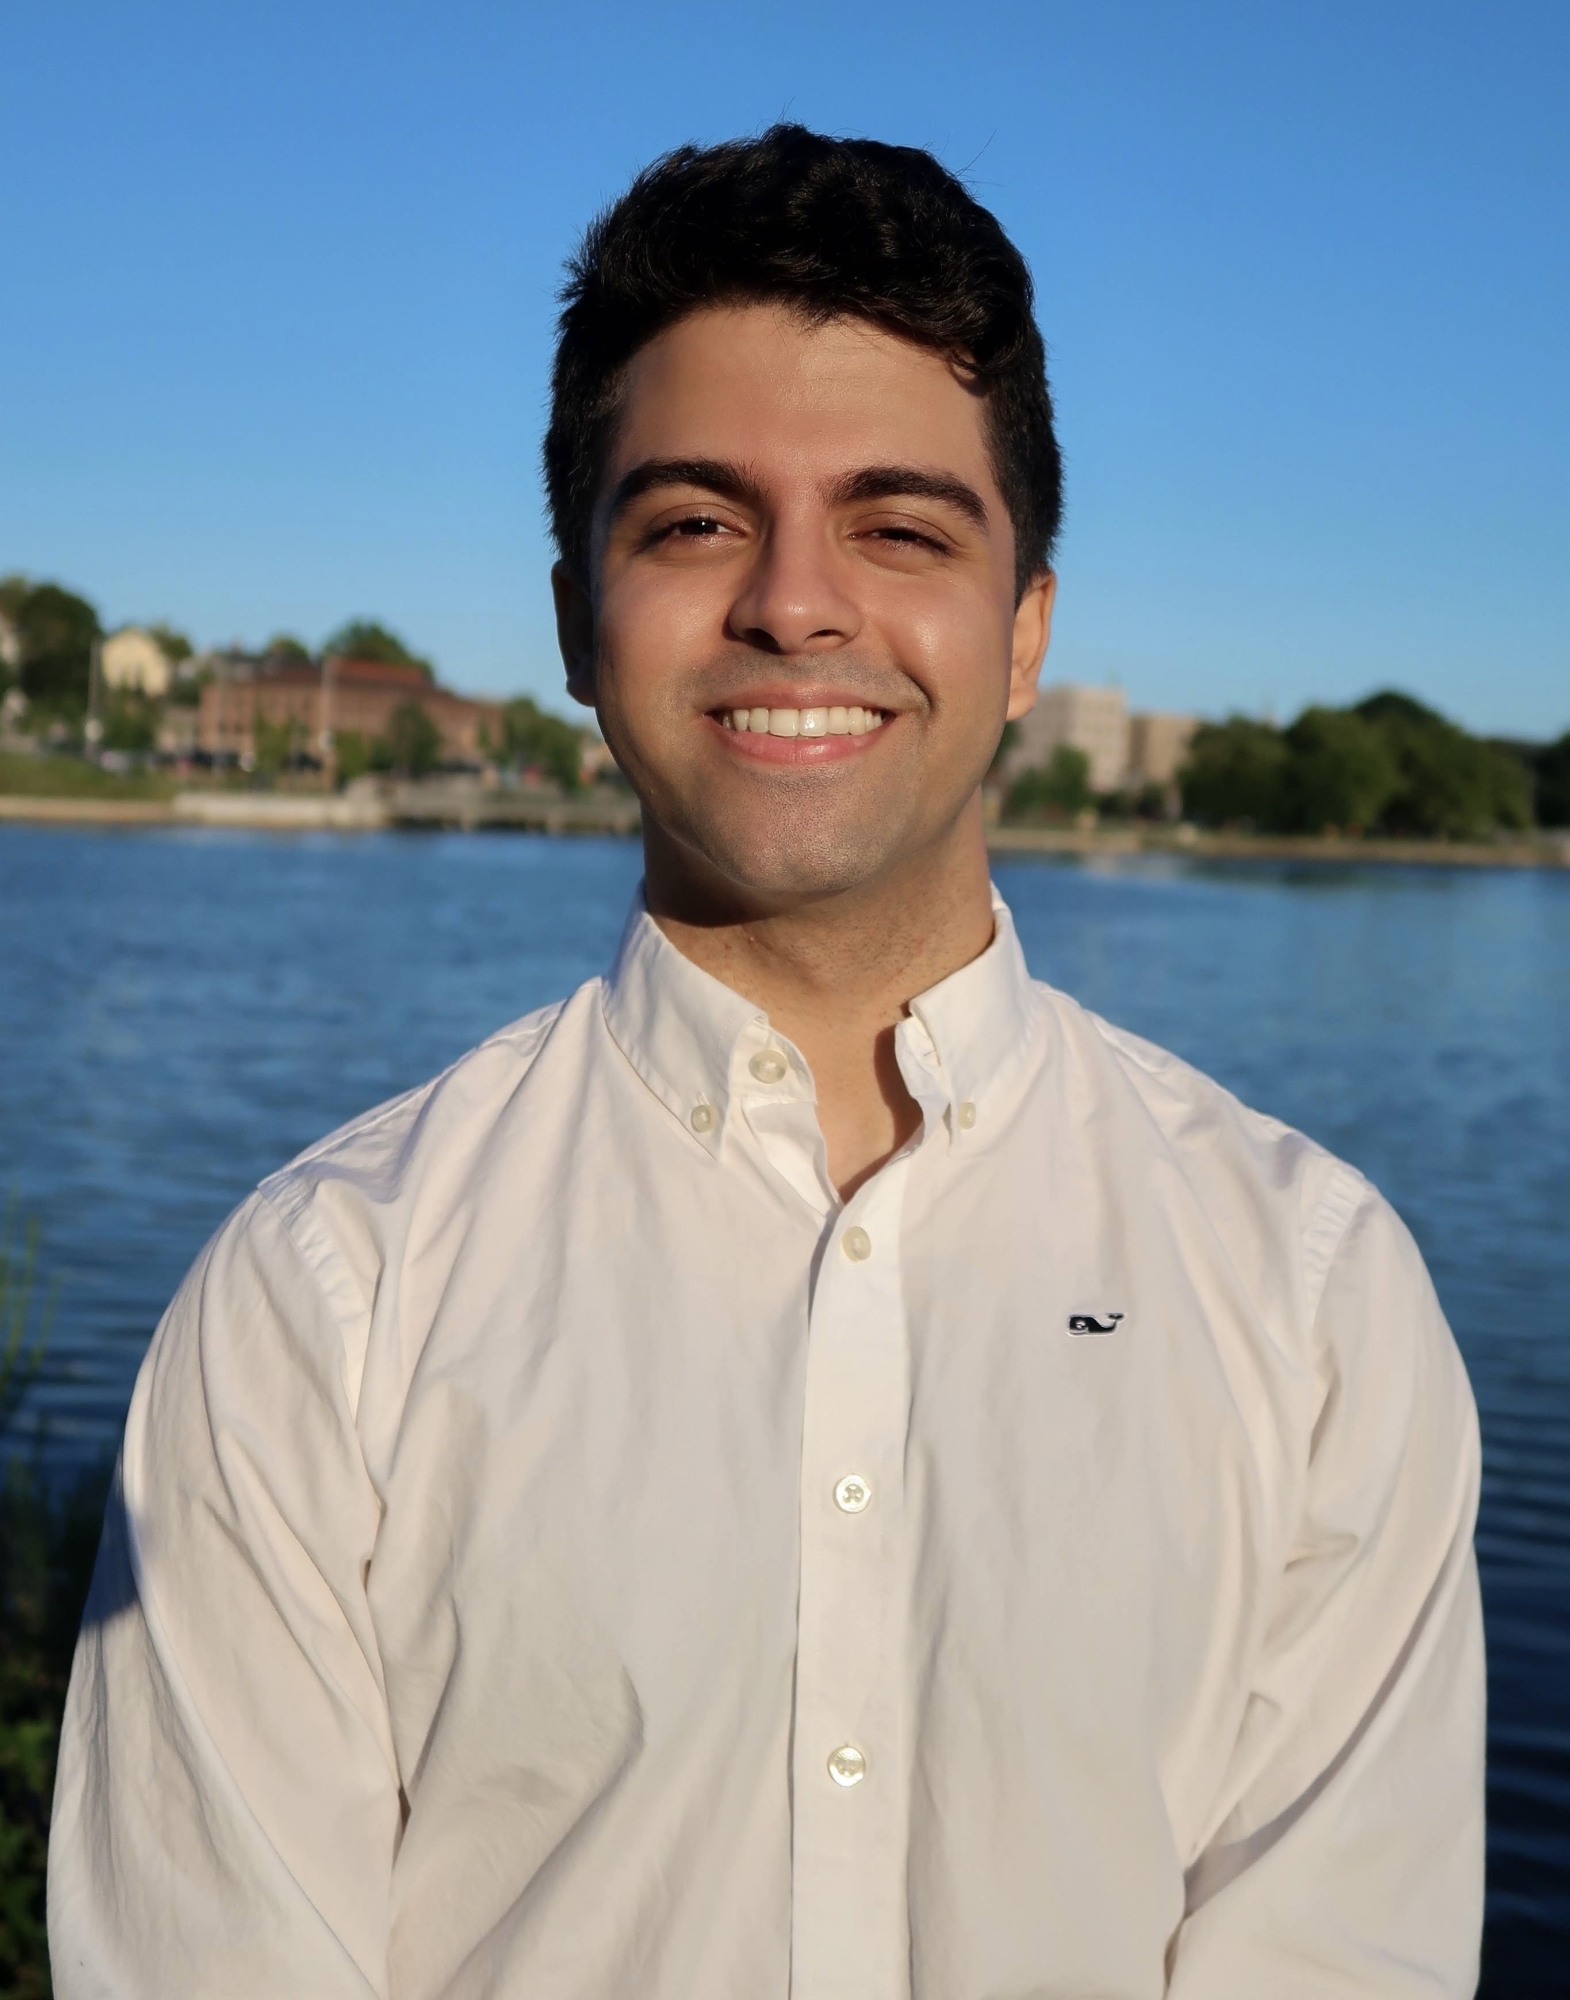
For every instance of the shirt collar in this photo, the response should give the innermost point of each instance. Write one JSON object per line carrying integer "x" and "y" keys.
{"x": 981, "y": 1023}
{"x": 692, "y": 1038}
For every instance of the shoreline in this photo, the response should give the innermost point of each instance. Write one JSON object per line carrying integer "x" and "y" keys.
{"x": 535, "y": 810}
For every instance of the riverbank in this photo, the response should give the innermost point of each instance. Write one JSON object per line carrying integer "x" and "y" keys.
{"x": 459, "y": 804}
{"x": 469, "y": 807}
{"x": 1545, "y": 850}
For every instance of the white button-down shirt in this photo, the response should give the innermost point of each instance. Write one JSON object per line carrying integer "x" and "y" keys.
{"x": 563, "y": 1551}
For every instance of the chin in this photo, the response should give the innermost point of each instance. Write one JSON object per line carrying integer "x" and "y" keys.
{"x": 792, "y": 862}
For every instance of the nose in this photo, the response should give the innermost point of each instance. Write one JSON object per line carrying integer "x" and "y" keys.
{"x": 794, "y": 598}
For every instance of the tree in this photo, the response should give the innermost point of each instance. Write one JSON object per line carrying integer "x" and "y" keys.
{"x": 176, "y": 645}
{"x": 1234, "y": 774}
{"x": 1340, "y": 772}
{"x": 364, "y": 639}
{"x": 1451, "y": 785}
{"x": 130, "y": 724}
{"x": 353, "y": 755}
{"x": 533, "y": 737}
{"x": 284, "y": 646}
{"x": 57, "y": 631}
{"x": 278, "y": 744}
{"x": 1055, "y": 790}
{"x": 414, "y": 743}
{"x": 1551, "y": 781}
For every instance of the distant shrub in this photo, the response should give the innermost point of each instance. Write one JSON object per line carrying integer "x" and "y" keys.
{"x": 1055, "y": 790}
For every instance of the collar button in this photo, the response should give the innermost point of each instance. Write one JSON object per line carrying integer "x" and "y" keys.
{"x": 703, "y": 1118}
{"x": 769, "y": 1066}
{"x": 967, "y": 1115}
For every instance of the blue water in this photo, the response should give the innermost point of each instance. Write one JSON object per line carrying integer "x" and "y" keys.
{"x": 182, "y": 1011}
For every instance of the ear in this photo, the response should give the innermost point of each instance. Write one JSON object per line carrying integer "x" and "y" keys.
{"x": 1032, "y": 630}
{"x": 574, "y": 632}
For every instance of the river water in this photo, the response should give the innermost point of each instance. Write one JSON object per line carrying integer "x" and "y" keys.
{"x": 181, "y": 1011}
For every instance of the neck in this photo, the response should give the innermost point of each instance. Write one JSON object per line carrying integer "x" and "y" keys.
{"x": 836, "y": 973}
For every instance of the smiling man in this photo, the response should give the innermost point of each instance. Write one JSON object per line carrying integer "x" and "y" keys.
{"x": 815, "y": 1467}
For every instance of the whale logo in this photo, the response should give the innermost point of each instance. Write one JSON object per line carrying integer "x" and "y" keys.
{"x": 1088, "y": 1323}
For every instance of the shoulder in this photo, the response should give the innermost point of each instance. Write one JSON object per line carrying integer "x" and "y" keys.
{"x": 377, "y": 1143}
{"x": 353, "y": 1196}
{"x": 1268, "y": 1190}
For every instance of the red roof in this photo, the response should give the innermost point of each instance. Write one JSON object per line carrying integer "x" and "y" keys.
{"x": 382, "y": 673}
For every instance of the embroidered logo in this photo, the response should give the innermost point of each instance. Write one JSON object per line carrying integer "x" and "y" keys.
{"x": 1088, "y": 1323}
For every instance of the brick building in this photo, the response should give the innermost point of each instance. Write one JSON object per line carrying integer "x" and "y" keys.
{"x": 319, "y": 703}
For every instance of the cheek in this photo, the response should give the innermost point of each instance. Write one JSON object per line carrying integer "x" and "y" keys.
{"x": 956, "y": 643}
{"x": 653, "y": 623}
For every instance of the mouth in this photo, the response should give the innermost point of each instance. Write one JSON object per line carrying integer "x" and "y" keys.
{"x": 786, "y": 723}
{"x": 820, "y": 734}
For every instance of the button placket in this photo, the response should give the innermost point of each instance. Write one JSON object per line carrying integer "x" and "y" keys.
{"x": 849, "y": 1793}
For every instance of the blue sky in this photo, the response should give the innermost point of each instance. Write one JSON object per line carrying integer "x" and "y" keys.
{"x": 276, "y": 311}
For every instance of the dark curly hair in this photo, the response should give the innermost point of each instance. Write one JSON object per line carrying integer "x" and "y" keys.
{"x": 833, "y": 228}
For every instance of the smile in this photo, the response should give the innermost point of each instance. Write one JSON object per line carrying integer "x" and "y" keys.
{"x": 836, "y": 721}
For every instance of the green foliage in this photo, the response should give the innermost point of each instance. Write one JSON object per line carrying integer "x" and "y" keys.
{"x": 285, "y": 646}
{"x": 48, "y": 1539}
{"x": 75, "y": 778}
{"x": 1055, "y": 790}
{"x": 13, "y": 594}
{"x": 1551, "y": 781}
{"x": 533, "y": 737}
{"x": 1452, "y": 786}
{"x": 353, "y": 755}
{"x": 1340, "y": 772}
{"x": 47, "y": 1542}
{"x": 364, "y": 639}
{"x": 1234, "y": 773}
{"x": 57, "y": 631}
{"x": 277, "y": 745}
{"x": 130, "y": 723}
{"x": 1388, "y": 766}
{"x": 414, "y": 743}
{"x": 176, "y": 645}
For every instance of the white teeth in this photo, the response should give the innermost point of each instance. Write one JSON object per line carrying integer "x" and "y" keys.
{"x": 835, "y": 721}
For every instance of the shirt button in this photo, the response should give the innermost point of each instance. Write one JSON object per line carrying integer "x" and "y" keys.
{"x": 856, "y": 1244}
{"x": 967, "y": 1115}
{"x": 852, "y": 1494}
{"x": 847, "y": 1766}
{"x": 769, "y": 1066}
{"x": 703, "y": 1118}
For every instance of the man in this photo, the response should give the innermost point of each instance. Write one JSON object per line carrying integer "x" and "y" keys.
{"x": 815, "y": 1467}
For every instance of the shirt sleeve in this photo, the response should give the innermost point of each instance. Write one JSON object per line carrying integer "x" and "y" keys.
{"x": 1349, "y": 1855}
{"x": 227, "y": 1806}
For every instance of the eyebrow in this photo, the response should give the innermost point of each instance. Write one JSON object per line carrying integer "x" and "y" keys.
{"x": 712, "y": 475}
{"x": 913, "y": 482}
{"x": 738, "y": 482}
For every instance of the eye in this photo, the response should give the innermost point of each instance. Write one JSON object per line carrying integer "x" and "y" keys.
{"x": 901, "y": 539}
{"x": 910, "y": 538}
{"x": 697, "y": 527}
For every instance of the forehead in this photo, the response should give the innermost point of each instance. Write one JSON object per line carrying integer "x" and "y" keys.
{"x": 757, "y": 384}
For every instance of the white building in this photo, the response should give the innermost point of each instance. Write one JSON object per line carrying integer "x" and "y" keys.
{"x": 1123, "y": 750}
{"x": 134, "y": 662}
{"x": 1094, "y": 720}
{"x": 1158, "y": 745}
